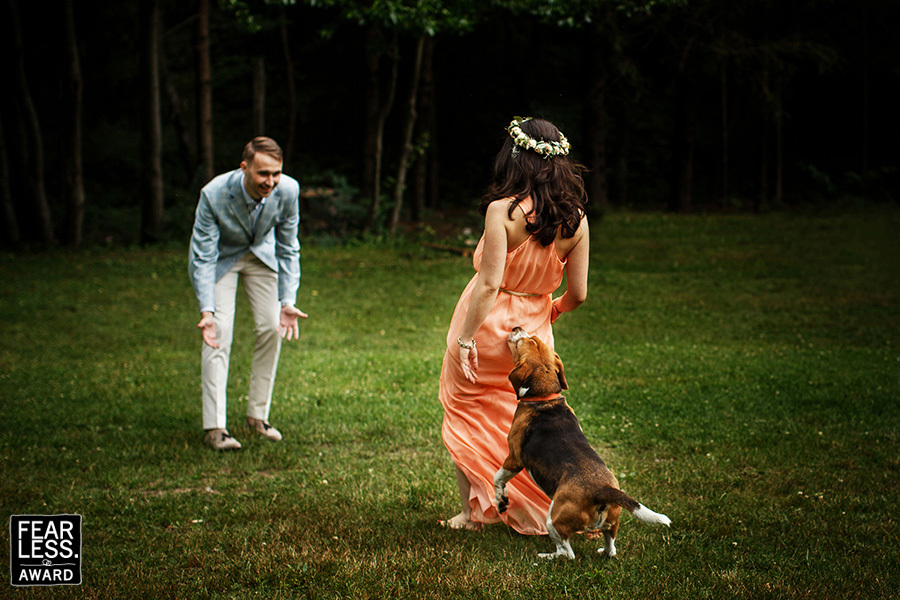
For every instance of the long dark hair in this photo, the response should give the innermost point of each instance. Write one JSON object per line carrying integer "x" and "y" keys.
{"x": 554, "y": 184}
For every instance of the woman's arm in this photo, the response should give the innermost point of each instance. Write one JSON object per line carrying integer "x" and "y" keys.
{"x": 493, "y": 262}
{"x": 576, "y": 273}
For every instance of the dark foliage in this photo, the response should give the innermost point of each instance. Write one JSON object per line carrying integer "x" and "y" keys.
{"x": 752, "y": 104}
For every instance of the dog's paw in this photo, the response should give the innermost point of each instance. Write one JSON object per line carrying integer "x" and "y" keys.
{"x": 503, "y": 504}
{"x": 609, "y": 551}
{"x": 555, "y": 555}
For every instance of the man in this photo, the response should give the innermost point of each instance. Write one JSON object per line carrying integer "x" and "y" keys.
{"x": 246, "y": 228}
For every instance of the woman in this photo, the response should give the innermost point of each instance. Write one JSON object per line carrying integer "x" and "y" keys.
{"x": 535, "y": 231}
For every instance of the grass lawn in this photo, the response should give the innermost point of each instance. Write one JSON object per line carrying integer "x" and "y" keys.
{"x": 740, "y": 374}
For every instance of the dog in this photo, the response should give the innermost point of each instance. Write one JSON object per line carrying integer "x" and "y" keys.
{"x": 546, "y": 440}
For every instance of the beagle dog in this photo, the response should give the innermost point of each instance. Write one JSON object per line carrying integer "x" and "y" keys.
{"x": 546, "y": 440}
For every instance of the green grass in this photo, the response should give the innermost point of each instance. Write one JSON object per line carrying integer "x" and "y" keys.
{"x": 740, "y": 374}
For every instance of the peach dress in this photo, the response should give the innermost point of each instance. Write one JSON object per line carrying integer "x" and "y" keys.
{"x": 477, "y": 417}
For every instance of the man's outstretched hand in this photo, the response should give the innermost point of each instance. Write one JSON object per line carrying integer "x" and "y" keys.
{"x": 289, "y": 329}
{"x": 207, "y": 326}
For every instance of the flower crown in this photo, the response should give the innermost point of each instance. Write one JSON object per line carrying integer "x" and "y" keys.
{"x": 546, "y": 149}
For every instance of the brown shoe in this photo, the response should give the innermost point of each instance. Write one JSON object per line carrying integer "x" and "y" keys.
{"x": 264, "y": 429}
{"x": 220, "y": 439}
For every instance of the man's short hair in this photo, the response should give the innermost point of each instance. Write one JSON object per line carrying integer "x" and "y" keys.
{"x": 265, "y": 145}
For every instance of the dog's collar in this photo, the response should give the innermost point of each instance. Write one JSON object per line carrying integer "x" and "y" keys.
{"x": 547, "y": 398}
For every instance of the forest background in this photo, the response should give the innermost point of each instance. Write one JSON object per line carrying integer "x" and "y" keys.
{"x": 739, "y": 371}
{"x": 391, "y": 111}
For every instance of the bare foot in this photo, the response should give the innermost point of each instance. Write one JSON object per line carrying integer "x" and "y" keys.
{"x": 461, "y": 521}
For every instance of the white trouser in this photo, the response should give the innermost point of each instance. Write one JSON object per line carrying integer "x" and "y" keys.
{"x": 261, "y": 284}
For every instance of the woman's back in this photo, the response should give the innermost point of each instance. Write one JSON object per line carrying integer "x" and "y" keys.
{"x": 517, "y": 234}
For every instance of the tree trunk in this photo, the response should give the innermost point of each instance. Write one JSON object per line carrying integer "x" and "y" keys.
{"x": 724, "y": 90}
{"x": 406, "y": 147}
{"x": 621, "y": 179}
{"x": 865, "y": 100}
{"x": 176, "y": 118}
{"x": 762, "y": 198}
{"x": 151, "y": 126}
{"x": 259, "y": 96}
{"x": 378, "y": 105}
{"x": 685, "y": 192}
{"x": 288, "y": 142}
{"x": 420, "y": 181}
{"x": 434, "y": 194}
{"x": 595, "y": 129}
{"x": 204, "y": 95}
{"x": 74, "y": 177}
{"x": 597, "y": 188}
{"x": 779, "y": 153}
{"x": 367, "y": 188}
{"x": 10, "y": 223}
{"x": 680, "y": 199}
{"x": 33, "y": 137}
{"x": 759, "y": 205}
{"x": 424, "y": 196}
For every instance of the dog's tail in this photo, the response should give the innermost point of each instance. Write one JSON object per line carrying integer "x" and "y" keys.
{"x": 610, "y": 495}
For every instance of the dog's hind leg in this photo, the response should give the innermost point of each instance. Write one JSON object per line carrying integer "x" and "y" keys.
{"x": 610, "y": 527}
{"x": 563, "y": 547}
{"x": 609, "y": 548}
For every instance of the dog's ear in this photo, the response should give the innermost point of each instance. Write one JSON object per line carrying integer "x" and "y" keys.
{"x": 560, "y": 372}
{"x": 519, "y": 376}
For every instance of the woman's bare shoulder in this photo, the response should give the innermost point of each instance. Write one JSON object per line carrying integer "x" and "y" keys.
{"x": 565, "y": 245}
{"x": 502, "y": 206}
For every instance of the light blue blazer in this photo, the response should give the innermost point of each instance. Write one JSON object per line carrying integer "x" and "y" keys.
{"x": 222, "y": 235}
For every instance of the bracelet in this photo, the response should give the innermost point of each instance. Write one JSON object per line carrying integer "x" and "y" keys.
{"x": 462, "y": 344}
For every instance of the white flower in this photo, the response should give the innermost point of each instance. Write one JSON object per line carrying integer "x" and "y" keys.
{"x": 547, "y": 149}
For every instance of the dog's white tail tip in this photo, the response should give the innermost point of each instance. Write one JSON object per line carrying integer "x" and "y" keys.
{"x": 648, "y": 516}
